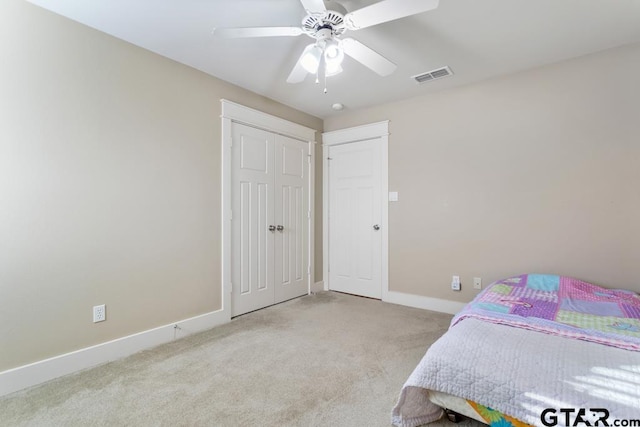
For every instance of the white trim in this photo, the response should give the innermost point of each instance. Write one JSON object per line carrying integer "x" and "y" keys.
{"x": 32, "y": 374}
{"x": 325, "y": 216}
{"x": 379, "y": 130}
{"x": 384, "y": 190}
{"x": 312, "y": 216}
{"x": 236, "y": 113}
{"x": 226, "y": 215}
{"x": 426, "y": 303}
{"x": 249, "y": 116}
{"x": 318, "y": 287}
{"x": 355, "y": 134}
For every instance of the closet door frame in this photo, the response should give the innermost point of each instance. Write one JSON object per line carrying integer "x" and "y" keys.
{"x": 237, "y": 113}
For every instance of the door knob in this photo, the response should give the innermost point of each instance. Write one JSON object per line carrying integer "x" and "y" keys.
{"x": 272, "y": 228}
{"x": 280, "y": 228}
{"x": 376, "y": 227}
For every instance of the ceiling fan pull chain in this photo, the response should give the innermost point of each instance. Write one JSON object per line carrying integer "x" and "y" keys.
{"x": 320, "y": 67}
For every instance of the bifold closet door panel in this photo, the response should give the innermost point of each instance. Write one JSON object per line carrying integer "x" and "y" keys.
{"x": 292, "y": 218}
{"x": 252, "y": 243}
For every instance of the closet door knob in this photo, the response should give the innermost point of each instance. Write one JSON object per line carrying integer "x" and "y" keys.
{"x": 280, "y": 228}
{"x": 376, "y": 227}
{"x": 272, "y": 228}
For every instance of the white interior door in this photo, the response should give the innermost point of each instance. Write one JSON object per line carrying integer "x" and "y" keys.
{"x": 355, "y": 217}
{"x": 252, "y": 243}
{"x": 270, "y": 218}
{"x": 291, "y": 218}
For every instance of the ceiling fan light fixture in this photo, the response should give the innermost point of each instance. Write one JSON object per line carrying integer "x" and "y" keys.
{"x": 333, "y": 69}
{"x": 311, "y": 59}
{"x": 333, "y": 54}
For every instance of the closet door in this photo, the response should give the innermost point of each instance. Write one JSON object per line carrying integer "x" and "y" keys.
{"x": 252, "y": 243}
{"x": 270, "y": 219}
{"x": 292, "y": 218}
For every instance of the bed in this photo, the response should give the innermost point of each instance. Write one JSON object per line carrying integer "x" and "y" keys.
{"x": 534, "y": 349}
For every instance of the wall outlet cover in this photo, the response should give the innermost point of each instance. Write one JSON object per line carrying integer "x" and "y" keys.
{"x": 99, "y": 313}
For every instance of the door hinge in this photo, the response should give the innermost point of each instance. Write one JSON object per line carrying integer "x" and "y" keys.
{"x": 309, "y": 271}
{"x": 309, "y": 158}
{"x": 308, "y": 214}
{"x": 231, "y": 215}
{"x": 230, "y": 288}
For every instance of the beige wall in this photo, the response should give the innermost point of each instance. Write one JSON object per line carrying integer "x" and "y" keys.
{"x": 109, "y": 185}
{"x": 533, "y": 172}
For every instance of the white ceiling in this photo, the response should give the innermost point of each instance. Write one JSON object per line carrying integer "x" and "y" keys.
{"x": 478, "y": 39}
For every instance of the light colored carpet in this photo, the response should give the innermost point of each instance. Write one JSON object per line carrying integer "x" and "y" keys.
{"x": 321, "y": 360}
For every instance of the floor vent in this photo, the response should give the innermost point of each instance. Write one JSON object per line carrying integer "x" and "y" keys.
{"x": 433, "y": 74}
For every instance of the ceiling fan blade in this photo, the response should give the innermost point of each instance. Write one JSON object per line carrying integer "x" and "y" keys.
{"x": 385, "y": 11}
{"x": 314, "y": 6}
{"x": 368, "y": 57}
{"x": 233, "y": 33}
{"x": 298, "y": 74}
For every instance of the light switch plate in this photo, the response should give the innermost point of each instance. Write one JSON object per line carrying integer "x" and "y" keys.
{"x": 455, "y": 283}
{"x": 393, "y": 196}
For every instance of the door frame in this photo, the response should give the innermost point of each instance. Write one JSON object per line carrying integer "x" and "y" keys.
{"x": 369, "y": 132}
{"x": 236, "y": 113}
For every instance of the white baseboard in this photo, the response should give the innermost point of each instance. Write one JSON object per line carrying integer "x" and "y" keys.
{"x": 318, "y": 287}
{"x": 39, "y": 372}
{"x": 427, "y": 303}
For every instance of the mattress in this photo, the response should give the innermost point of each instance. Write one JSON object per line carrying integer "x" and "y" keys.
{"x": 472, "y": 410}
{"x": 455, "y": 404}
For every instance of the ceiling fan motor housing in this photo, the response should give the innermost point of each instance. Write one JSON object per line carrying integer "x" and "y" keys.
{"x": 324, "y": 25}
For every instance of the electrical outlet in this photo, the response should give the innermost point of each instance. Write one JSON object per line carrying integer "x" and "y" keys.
{"x": 477, "y": 283}
{"x": 455, "y": 283}
{"x": 99, "y": 313}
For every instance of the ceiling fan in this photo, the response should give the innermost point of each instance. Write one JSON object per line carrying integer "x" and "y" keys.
{"x": 327, "y": 27}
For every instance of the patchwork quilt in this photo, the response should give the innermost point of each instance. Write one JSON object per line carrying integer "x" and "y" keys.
{"x": 561, "y": 306}
{"x": 518, "y": 372}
